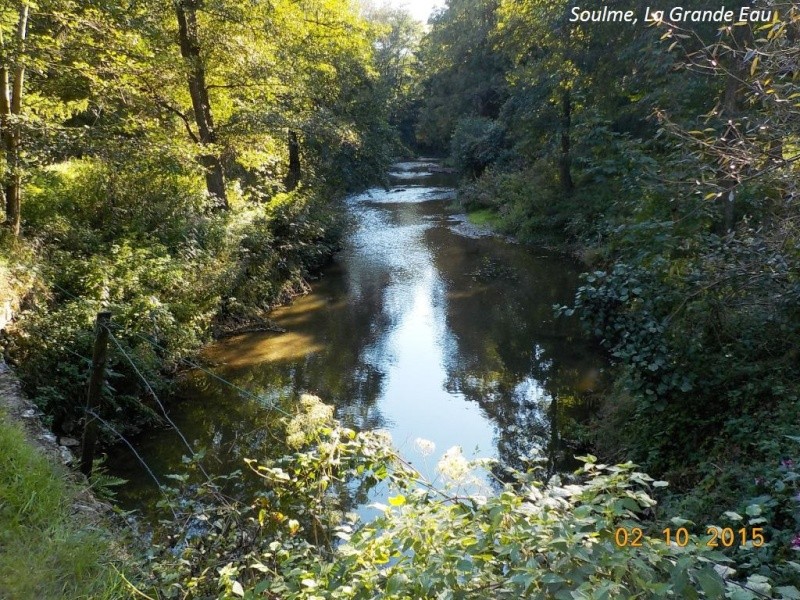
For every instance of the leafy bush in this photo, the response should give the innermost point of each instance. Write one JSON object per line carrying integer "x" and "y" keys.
{"x": 525, "y": 539}
{"x": 137, "y": 238}
{"x": 477, "y": 142}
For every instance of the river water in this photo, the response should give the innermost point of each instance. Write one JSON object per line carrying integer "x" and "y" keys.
{"x": 425, "y": 326}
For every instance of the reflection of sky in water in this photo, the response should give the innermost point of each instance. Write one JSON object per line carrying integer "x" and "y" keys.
{"x": 415, "y": 402}
{"x": 419, "y": 328}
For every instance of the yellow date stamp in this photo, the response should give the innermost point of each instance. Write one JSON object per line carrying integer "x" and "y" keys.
{"x": 720, "y": 537}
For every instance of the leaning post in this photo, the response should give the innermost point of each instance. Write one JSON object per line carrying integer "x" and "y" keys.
{"x": 99, "y": 355}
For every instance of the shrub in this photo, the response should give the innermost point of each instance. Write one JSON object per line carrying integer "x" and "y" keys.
{"x": 477, "y": 142}
{"x": 525, "y": 539}
{"x": 137, "y": 238}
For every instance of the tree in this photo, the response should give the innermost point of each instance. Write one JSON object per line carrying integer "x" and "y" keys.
{"x": 463, "y": 75}
{"x": 12, "y": 77}
{"x": 754, "y": 66}
{"x": 283, "y": 79}
{"x": 397, "y": 40}
{"x": 189, "y": 40}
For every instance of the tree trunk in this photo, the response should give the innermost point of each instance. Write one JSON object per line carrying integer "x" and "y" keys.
{"x": 11, "y": 86}
{"x": 565, "y": 160}
{"x": 186, "y": 11}
{"x": 728, "y": 212}
{"x": 737, "y": 73}
{"x": 293, "y": 176}
{"x": 732, "y": 98}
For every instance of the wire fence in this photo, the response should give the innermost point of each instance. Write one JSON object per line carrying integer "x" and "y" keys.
{"x": 115, "y": 332}
{"x": 195, "y": 365}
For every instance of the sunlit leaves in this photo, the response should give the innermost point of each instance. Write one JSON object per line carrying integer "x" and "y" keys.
{"x": 530, "y": 539}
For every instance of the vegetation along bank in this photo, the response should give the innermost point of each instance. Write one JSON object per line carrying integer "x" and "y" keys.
{"x": 180, "y": 164}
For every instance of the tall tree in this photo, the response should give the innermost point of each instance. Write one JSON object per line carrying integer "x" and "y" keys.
{"x": 186, "y": 11}
{"x": 398, "y": 37}
{"x": 12, "y": 78}
{"x": 464, "y": 76}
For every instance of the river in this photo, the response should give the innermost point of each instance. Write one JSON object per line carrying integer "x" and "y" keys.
{"x": 425, "y": 326}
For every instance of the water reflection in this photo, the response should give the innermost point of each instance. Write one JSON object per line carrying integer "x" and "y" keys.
{"x": 424, "y": 327}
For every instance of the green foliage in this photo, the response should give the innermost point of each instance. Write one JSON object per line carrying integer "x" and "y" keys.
{"x": 476, "y": 144}
{"x": 46, "y": 550}
{"x": 529, "y": 540}
{"x": 117, "y": 207}
{"x": 524, "y": 202}
{"x": 397, "y": 41}
{"x": 81, "y": 202}
{"x": 683, "y": 162}
{"x": 624, "y": 310}
{"x": 462, "y": 76}
{"x": 168, "y": 269}
{"x": 525, "y": 539}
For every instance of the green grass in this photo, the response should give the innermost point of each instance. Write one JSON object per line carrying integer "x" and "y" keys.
{"x": 46, "y": 551}
{"x": 485, "y": 217}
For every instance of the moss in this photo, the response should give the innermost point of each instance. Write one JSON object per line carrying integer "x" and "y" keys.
{"x": 485, "y": 217}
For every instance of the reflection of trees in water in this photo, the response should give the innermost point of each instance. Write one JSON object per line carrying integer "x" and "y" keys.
{"x": 502, "y": 348}
{"x": 534, "y": 408}
{"x": 506, "y": 351}
{"x": 338, "y": 373}
{"x": 232, "y": 425}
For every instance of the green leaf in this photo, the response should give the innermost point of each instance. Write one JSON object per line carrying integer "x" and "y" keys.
{"x": 395, "y": 583}
{"x": 739, "y": 593}
{"x": 788, "y": 591}
{"x": 753, "y": 510}
{"x": 711, "y": 583}
{"x": 465, "y": 565}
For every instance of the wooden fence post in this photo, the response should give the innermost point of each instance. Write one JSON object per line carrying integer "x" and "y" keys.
{"x": 99, "y": 355}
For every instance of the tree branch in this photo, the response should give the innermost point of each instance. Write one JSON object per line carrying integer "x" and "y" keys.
{"x": 183, "y": 117}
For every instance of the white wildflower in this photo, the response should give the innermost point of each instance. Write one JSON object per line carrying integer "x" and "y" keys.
{"x": 313, "y": 416}
{"x": 382, "y": 436}
{"x": 424, "y": 447}
{"x": 453, "y": 464}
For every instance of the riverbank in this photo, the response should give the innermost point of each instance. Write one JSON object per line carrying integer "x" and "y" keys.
{"x": 171, "y": 284}
{"x": 170, "y": 270}
{"x": 702, "y": 331}
{"x": 396, "y": 334}
{"x": 49, "y": 519}
{"x": 490, "y": 220}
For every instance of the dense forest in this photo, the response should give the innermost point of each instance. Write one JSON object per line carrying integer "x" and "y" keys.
{"x": 182, "y": 165}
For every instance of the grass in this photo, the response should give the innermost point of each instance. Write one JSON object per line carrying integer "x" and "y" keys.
{"x": 46, "y": 550}
{"x": 484, "y": 217}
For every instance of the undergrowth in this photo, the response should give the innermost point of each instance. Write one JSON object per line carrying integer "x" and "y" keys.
{"x": 46, "y": 549}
